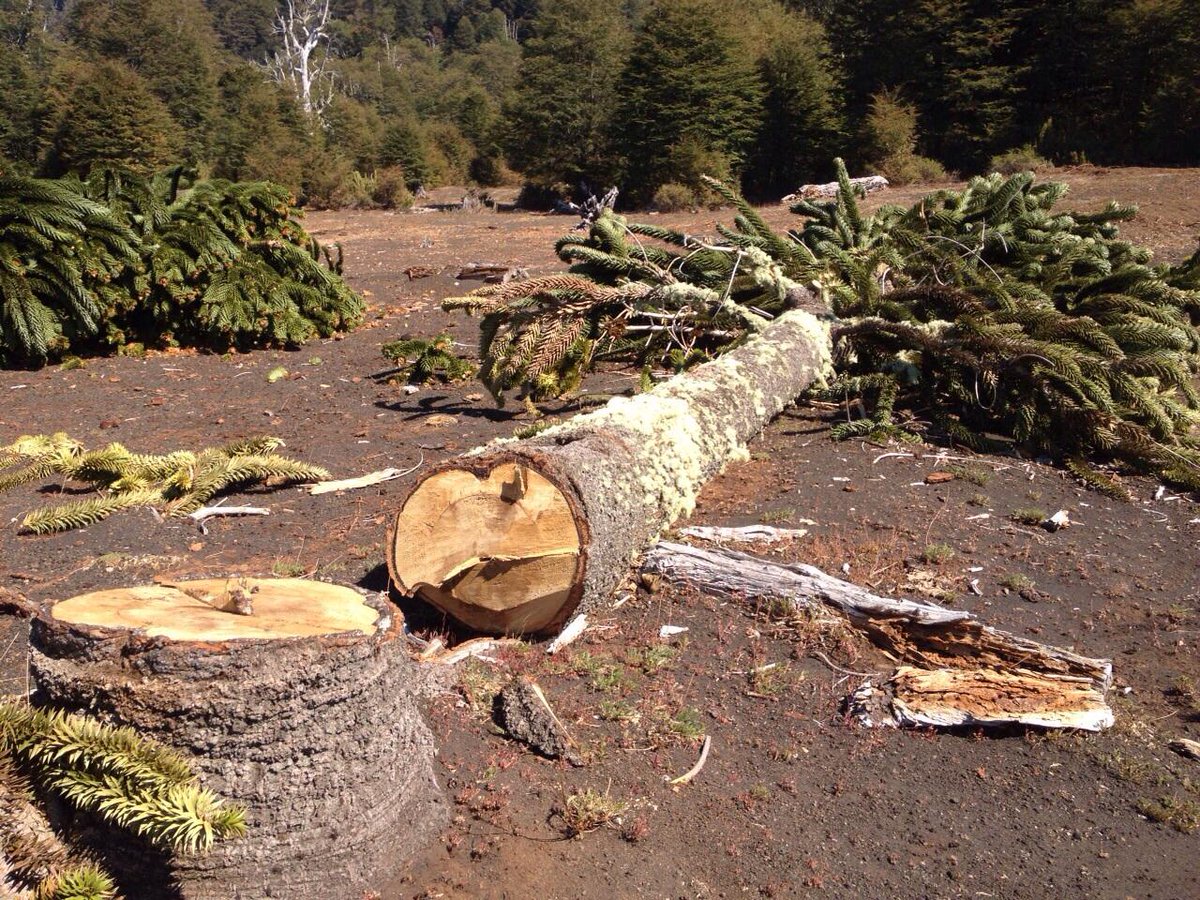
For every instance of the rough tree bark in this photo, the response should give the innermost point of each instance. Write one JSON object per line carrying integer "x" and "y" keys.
{"x": 515, "y": 536}
{"x": 309, "y": 721}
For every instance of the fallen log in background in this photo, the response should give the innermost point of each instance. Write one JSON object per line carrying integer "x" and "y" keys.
{"x": 956, "y": 670}
{"x": 297, "y": 702}
{"x": 515, "y": 536}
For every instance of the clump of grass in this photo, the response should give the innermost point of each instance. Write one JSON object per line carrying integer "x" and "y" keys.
{"x": 651, "y": 659}
{"x": 1180, "y": 813}
{"x": 288, "y": 568}
{"x": 479, "y": 686}
{"x": 1030, "y": 515}
{"x": 778, "y": 516}
{"x": 1186, "y": 694}
{"x": 588, "y": 810}
{"x": 769, "y": 680}
{"x": 1016, "y": 582}
{"x": 618, "y": 711}
{"x": 687, "y": 724}
{"x": 972, "y": 474}
{"x": 936, "y": 554}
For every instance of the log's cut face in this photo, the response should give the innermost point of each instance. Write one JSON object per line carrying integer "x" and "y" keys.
{"x": 206, "y": 609}
{"x": 500, "y": 549}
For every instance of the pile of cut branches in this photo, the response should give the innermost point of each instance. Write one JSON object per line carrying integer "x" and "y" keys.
{"x": 177, "y": 483}
{"x": 110, "y": 772}
{"x": 998, "y": 317}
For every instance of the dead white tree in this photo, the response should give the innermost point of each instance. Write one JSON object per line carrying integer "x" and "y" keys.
{"x": 300, "y": 63}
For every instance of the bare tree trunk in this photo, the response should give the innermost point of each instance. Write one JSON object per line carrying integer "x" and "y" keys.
{"x": 302, "y": 26}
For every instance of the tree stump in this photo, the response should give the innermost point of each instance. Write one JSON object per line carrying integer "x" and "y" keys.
{"x": 515, "y": 536}
{"x": 292, "y": 698}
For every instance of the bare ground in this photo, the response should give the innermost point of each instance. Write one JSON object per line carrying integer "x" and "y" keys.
{"x": 793, "y": 800}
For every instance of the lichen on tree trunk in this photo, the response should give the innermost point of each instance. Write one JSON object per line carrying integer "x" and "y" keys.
{"x": 623, "y": 473}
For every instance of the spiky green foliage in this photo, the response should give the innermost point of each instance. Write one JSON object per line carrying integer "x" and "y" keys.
{"x": 177, "y": 483}
{"x": 421, "y": 361}
{"x": 121, "y": 258}
{"x": 57, "y": 249}
{"x": 113, "y": 772}
{"x": 987, "y": 307}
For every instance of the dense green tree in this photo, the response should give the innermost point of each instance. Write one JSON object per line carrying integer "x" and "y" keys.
{"x": 802, "y": 125}
{"x": 245, "y": 27}
{"x": 170, "y": 44}
{"x": 691, "y": 97}
{"x": 560, "y": 119}
{"x": 263, "y": 135}
{"x": 110, "y": 116}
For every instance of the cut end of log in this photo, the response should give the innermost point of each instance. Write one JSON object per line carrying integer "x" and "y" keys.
{"x": 223, "y": 609}
{"x": 500, "y": 550}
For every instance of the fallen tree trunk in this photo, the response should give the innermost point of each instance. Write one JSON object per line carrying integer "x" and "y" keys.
{"x": 956, "y": 670}
{"x": 867, "y": 184}
{"x": 515, "y": 536}
{"x": 294, "y": 699}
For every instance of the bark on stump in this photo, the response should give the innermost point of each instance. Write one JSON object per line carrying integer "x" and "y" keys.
{"x": 515, "y": 536}
{"x": 312, "y": 725}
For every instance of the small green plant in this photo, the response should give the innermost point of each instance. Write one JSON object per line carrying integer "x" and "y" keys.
{"x": 936, "y": 554}
{"x": 479, "y": 686}
{"x": 288, "y": 568}
{"x": 588, "y": 810}
{"x": 976, "y": 475}
{"x": 1030, "y": 515}
{"x": 769, "y": 680}
{"x": 612, "y": 679}
{"x": 1180, "y": 813}
{"x": 687, "y": 724}
{"x": 778, "y": 516}
{"x": 422, "y": 360}
{"x": 651, "y": 659}
{"x": 618, "y": 711}
{"x": 1016, "y": 582}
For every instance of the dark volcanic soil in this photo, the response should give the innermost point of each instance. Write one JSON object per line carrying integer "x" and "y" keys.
{"x": 793, "y": 800}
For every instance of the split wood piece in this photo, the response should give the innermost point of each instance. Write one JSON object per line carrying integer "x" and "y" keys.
{"x": 305, "y": 712}
{"x": 958, "y": 670}
{"x": 868, "y": 183}
{"x": 745, "y": 534}
{"x": 515, "y": 536}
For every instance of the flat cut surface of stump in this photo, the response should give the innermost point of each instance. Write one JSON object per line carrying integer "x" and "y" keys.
{"x": 189, "y": 610}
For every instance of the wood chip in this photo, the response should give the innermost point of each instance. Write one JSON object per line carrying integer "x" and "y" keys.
{"x": 941, "y": 476}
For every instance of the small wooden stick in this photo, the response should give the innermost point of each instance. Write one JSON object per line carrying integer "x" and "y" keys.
{"x": 695, "y": 770}
{"x": 349, "y": 484}
{"x": 207, "y": 512}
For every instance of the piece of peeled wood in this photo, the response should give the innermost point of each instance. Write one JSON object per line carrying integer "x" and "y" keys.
{"x": 956, "y": 670}
{"x": 515, "y": 536}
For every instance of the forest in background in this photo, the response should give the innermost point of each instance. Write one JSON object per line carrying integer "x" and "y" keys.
{"x": 645, "y": 94}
